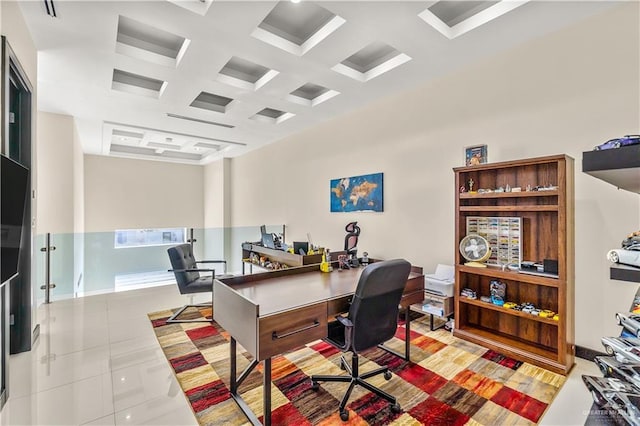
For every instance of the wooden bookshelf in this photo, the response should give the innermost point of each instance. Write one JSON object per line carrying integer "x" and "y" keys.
{"x": 547, "y": 232}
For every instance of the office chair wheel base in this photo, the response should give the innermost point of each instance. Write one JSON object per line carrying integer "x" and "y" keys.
{"x": 315, "y": 386}
{"x": 396, "y": 408}
{"x": 344, "y": 415}
{"x": 387, "y": 375}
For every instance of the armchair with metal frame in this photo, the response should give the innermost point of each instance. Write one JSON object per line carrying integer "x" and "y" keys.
{"x": 372, "y": 320}
{"x": 187, "y": 273}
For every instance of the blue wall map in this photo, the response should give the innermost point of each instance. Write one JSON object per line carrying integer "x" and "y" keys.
{"x": 357, "y": 193}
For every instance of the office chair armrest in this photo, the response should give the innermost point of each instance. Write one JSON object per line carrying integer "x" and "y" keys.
{"x": 348, "y": 330}
{"x": 224, "y": 262}
{"x": 344, "y": 321}
{"x": 192, "y": 270}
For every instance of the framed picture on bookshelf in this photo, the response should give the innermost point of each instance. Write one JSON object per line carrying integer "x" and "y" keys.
{"x": 474, "y": 155}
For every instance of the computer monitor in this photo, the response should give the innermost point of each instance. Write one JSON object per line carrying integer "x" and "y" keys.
{"x": 297, "y": 245}
{"x": 267, "y": 241}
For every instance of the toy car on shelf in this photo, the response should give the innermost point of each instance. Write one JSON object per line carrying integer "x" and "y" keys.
{"x": 630, "y": 321}
{"x": 467, "y": 292}
{"x": 618, "y": 142}
{"x": 497, "y": 300}
{"x": 545, "y": 313}
{"x": 611, "y": 367}
{"x": 618, "y": 396}
{"x": 527, "y": 307}
{"x": 509, "y": 305}
{"x": 625, "y": 349}
{"x": 629, "y": 256}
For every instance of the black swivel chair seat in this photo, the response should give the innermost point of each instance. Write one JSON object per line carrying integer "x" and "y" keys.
{"x": 372, "y": 320}
{"x": 187, "y": 273}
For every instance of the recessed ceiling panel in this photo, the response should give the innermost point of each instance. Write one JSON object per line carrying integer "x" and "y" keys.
{"x": 142, "y": 142}
{"x": 370, "y": 57}
{"x": 311, "y": 94}
{"x": 196, "y": 6}
{"x": 245, "y": 74}
{"x": 148, "y": 43}
{"x": 137, "y": 84}
{"x": 205, "y": 145}
{"x": 163, "y": 145}
{"x": 271, "y": 115}
{"x": 309, "y": 91}
{"x": 211, "y": 102}
{"x": 126, "y": 135}
{"x": 297, "y": 28}
{"x": 371, "y": 61}
{"x": 453, "y": 12}
{"x": 453, "y": 18}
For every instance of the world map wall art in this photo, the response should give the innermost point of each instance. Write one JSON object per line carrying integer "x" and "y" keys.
{"x": 357, "y": 193}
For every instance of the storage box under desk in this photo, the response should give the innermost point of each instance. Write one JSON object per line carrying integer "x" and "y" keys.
{"x": 437, "y": 305}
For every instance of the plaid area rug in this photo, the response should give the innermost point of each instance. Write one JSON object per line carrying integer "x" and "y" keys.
{"x": 448, "y": 381}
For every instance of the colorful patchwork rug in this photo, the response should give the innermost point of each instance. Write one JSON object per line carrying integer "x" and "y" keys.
{"x": 447, "y": 382}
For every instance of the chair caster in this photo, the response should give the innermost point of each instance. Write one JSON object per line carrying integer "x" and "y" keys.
{"x": 396, "y": 408}
{"x": 344, "y": 415}
{"x": 387, "y": 375}
{"x": 314, "y": 385}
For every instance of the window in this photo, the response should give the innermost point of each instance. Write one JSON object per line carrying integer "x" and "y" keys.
{"x": 149, "y": 237}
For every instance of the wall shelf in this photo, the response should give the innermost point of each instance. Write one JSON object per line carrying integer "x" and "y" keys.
{"x": 624, "y": 273}
{"x": 619, "y": 166}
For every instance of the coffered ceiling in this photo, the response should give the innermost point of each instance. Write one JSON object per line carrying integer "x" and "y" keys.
{"x": 195, "y": 80}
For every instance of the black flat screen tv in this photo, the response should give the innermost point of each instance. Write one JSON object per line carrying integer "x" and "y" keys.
{"x": 14, "y": 181}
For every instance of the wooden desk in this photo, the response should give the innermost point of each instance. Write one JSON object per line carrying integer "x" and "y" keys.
{"x": 275, "y": 312}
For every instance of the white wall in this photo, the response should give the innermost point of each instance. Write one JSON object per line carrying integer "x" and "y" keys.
{"x": 217, "y": 212}
{"x": 563, "y": 93}
{"x": 124, "y": 193}
{"x": 56, "y": 173}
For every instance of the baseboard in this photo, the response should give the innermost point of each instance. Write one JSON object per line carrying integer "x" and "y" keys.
{"x": 588, "y": 354}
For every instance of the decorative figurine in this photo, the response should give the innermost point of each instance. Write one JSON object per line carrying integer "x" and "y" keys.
{"x": 528, "y": 188}
{"x": 507, "y": 188}
{"x": 365, "y": 258}
{"x": 463, "y": 189}
{"x": 471, "y": 185}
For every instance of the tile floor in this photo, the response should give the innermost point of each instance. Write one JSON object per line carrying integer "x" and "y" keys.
{"x": 97, "y": 362}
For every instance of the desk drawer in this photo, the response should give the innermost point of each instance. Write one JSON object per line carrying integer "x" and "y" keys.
{"x": 282, "y": 332}
{"x": 411, "y": 298}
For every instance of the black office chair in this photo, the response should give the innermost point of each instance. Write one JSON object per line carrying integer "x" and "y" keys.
{"x": 189, "y": 280}
{"x": 351, "y": 239}
{"x": 372, "y": 320}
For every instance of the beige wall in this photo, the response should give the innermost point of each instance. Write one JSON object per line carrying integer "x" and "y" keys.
{"x": 563, "y": 93}
{"x": 15, "y": 29}
{"x": 216, "y": 194}
{"x": 56, "y": 173}
{"x": 127, "y": 194}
